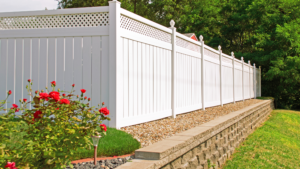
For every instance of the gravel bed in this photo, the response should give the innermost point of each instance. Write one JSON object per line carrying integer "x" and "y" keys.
{"x": 102, "y": 164}
{"x": 154, "y": 131}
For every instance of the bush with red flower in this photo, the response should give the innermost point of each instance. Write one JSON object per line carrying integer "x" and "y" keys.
{"x": 57, "y": 125}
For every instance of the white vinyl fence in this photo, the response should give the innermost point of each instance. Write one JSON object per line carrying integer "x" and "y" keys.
{"x": 142, "y": 71}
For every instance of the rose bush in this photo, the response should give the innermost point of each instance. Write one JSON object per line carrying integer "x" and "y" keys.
{"x": 56, "y": 126}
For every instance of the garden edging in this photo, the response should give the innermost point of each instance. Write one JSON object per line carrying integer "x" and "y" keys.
{"x": 214, "y": 141}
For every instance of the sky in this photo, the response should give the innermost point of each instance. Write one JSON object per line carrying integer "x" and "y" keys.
{"x": 26, "y": 5}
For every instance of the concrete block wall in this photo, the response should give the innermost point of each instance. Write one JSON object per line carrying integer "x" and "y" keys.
{"x": 203, "y": 147}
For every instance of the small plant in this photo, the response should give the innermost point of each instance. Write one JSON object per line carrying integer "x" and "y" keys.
{"x": 209, "y": 164}
{"x": 56, "y": 128}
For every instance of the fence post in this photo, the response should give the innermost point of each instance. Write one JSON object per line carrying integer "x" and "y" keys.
{"x": 115, "y": 64}
{"x": 254, "y": 80}
{"x": 202, "y": 73}
{"x": 232, "y": 54}
{"x": 249, "y": 90}
{"x": 221, "y": 84}
{"x": 259, "y": 81}
{"x": 172, "y": 23}
{"x": 243, "y": 78}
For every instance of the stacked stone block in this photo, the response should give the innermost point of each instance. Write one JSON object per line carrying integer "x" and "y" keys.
{"x": 214, "y": 152}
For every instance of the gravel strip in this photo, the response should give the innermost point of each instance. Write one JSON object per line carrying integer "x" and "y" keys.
{"x": 102, "y": 164}
{"x": 154, "y": 131}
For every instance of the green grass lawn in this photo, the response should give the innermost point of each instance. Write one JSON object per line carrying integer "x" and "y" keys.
{"x": 274, "y": 145}
{"x": 265, "y": 98}
{"x": 115, "y": 143}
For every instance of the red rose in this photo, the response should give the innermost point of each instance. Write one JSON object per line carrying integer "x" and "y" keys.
{"x": 9, "y": 92}
{"x": 10, "y": 165}
{"x": 102, "y": 103}
{"x": 24, "y": 100}
{"x": 85, "y": 98}
{"x": 64, "y": 95}
{"x": 29, "y": 80}
{"x": 53, "y": 83}
{"x": 64, "y": 101}
{"x": 15, "y": 106}
{"x": 83, "y": 90}
{"x": 44, "y": 96}
{"x": 103, "y": 127}
{"x": 54, "y": 95}
{"x": 89, "y": 99}
{"x": 36, "y": 92}
{"x": 37, "y": 114}
{"x": 104, "y": 110}
{"x": 73, "y": 85}
{"x": 54, "y": 92}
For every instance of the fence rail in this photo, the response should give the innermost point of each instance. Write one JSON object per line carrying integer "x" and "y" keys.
{"x": 142, "y": 70}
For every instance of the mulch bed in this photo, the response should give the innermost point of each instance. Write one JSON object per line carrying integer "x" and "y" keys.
{"x": 154, "y": 131}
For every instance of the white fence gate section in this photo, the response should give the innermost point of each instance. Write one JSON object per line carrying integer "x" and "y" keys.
{"x": 142, "y": 71}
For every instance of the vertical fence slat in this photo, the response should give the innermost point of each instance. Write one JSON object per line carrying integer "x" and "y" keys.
{"x": 11, "y": 68}
{"x": 151, "y": 78}
{"x": 139, "y": 78}
{"x": 143, "y": 74}
{"x": 3, "y": 69}
{"x": 126, "y": 77}
{"x": 60, "y": 73}
{"x": 19, "y": 70}
{"x": 135, "y": 77}
{"x": 155, "y": 79}
{"x": 51, "y": 60}
{"x": 78, "y": 79}
{"x": 69, "y": 58}
{"x": 87, "y": 64}
{"x": 27, "y": 67}
{"x": 96, "y": 72}
{"x": 43, "y": 70}
{"x": 104, "y": 68}
{"x": 35, "y": 63}
{"x": 131, "y": 78}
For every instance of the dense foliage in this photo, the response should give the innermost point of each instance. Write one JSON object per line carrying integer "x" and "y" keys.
{"x": 263, "y": 31}
{"x": 47, "y": 136}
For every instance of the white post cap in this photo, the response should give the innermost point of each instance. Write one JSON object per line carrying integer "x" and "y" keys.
{"x": 201, "y": 38}
{"x": 172, "y": 23}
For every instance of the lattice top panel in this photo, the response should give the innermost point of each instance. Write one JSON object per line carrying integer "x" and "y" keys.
{"x": 141, "y": 28}
{"x": 55, "y": 21}
{"x": 227, "y": 60}
{"x": 186, "y": 44}
{"x": 238, "y": 65}
{"x": 211, "y": 54}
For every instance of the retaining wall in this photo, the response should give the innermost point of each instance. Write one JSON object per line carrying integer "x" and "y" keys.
{"x": 207, "y": 145}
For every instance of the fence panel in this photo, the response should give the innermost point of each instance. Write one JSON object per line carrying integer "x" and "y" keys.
{"x": 188, "y": 82}
{"x": 227, "y": 82}
{"x": 251, "y": 82}
{"x": 246, "y": 82}
{"x": 147, "y": 82}
{"x": 146, "y": 51}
